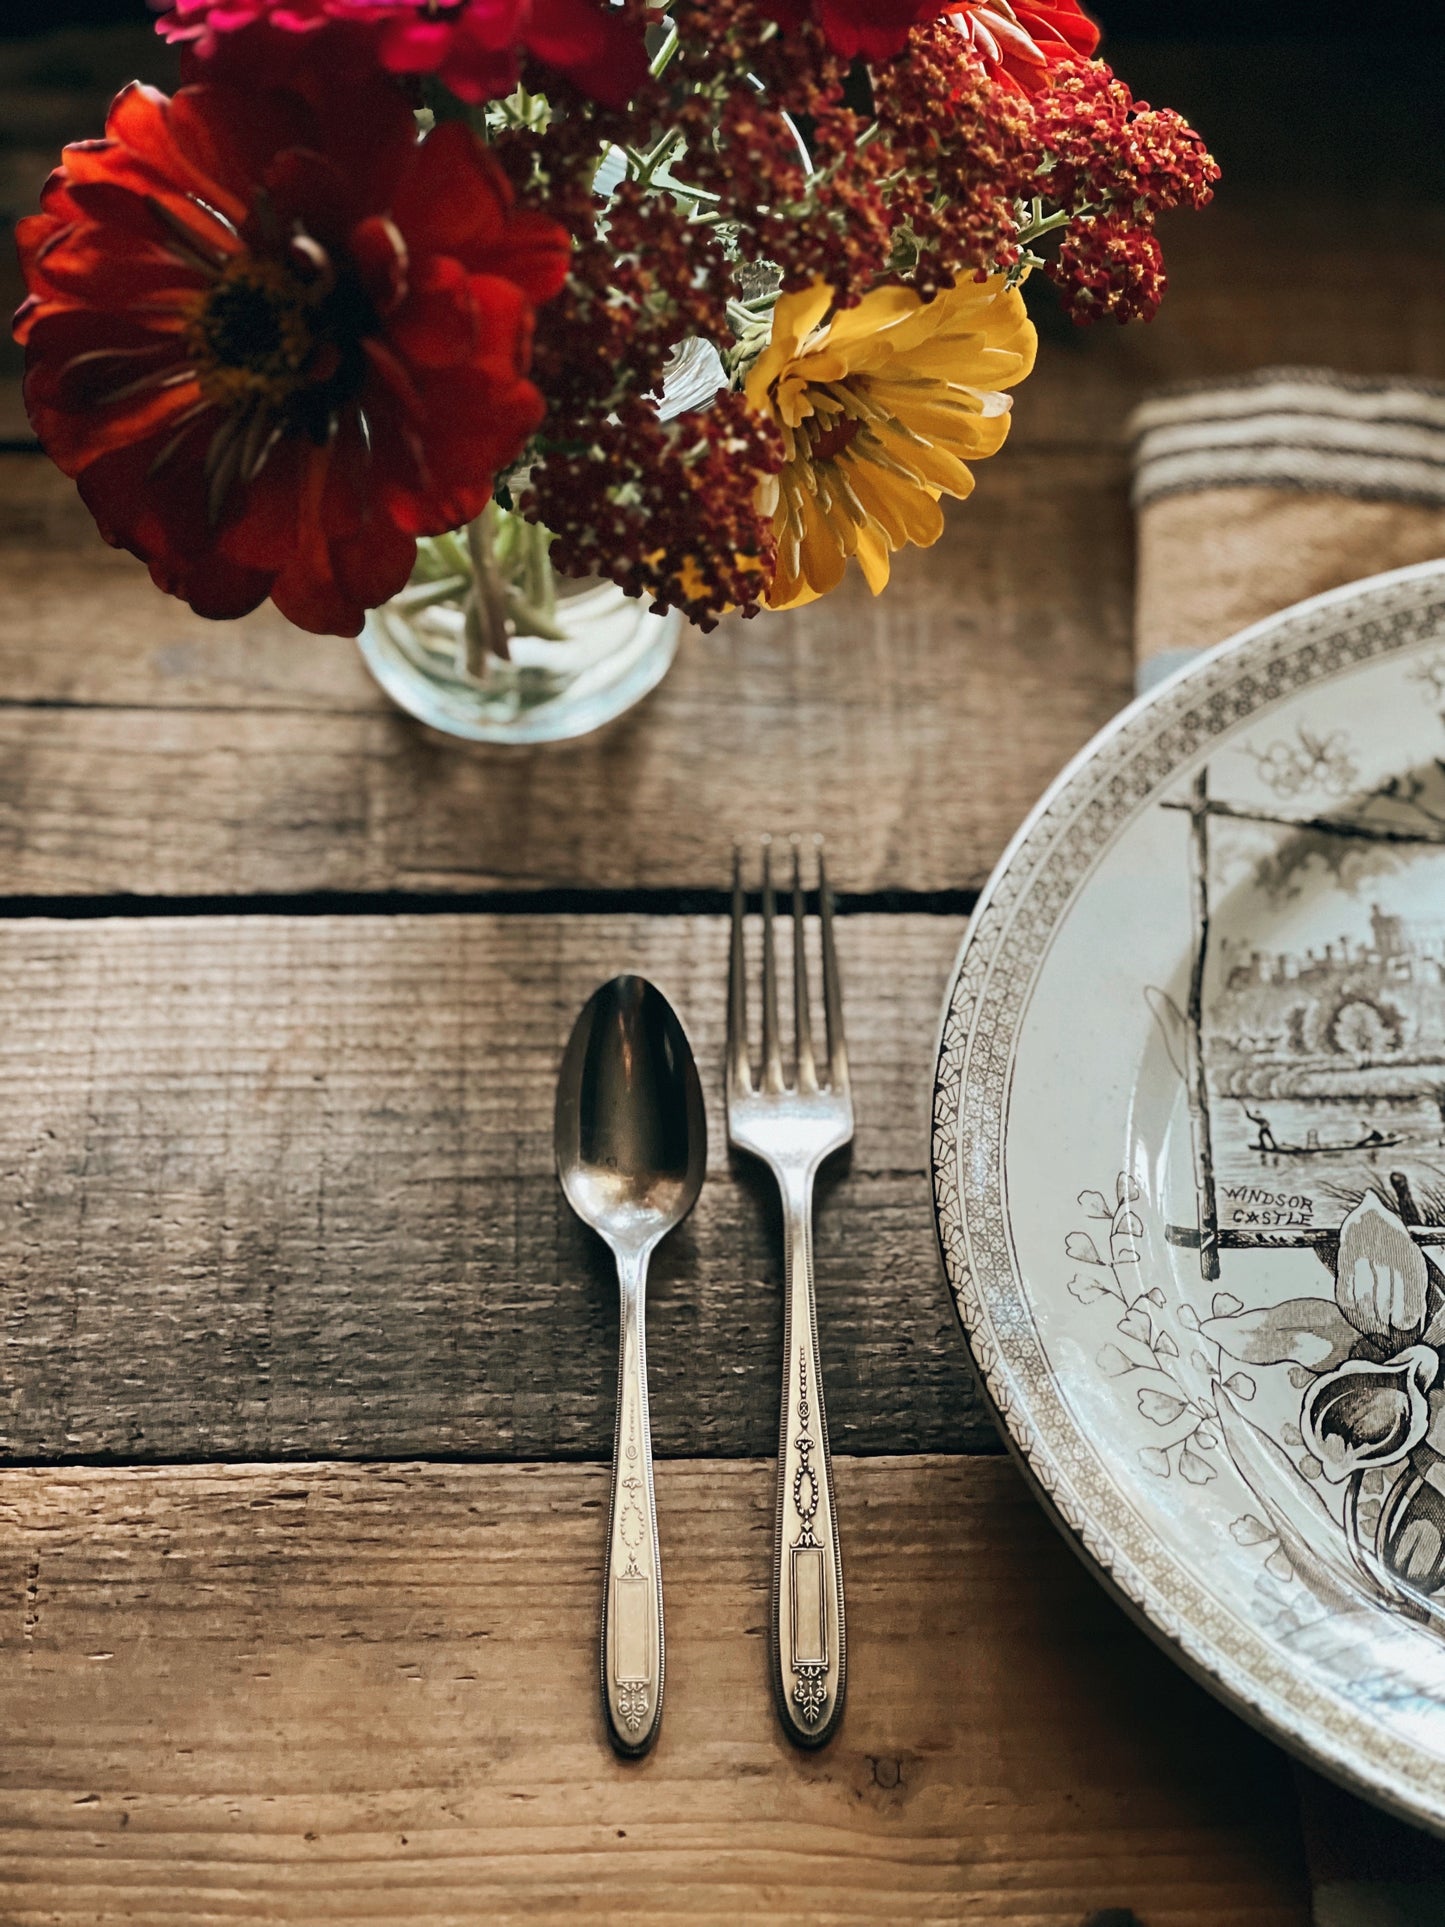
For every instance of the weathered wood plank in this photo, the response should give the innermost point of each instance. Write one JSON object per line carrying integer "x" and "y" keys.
{"x": 283, "y": 1188}
{"x": 914, "y": 730}
{"x": 1259, "y": 279}
{"x": 955, "y": 697}
{"x": 331, "y": 1695}
{"x": 1336, "y": 168}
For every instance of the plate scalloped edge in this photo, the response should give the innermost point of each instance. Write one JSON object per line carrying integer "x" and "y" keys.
{"x": 1048, "y": 860}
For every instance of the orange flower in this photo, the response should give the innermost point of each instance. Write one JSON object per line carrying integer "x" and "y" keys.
{"x": 880, "y": 407}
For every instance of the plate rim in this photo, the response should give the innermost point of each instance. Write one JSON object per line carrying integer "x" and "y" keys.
{"x": 1287, "y": 1726}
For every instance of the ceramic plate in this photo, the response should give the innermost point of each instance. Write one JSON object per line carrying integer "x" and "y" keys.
{"x": 1189, "y": 1168}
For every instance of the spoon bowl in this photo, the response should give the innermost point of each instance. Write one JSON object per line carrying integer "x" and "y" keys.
{"x": 631, "y": 1143}
{"x": 631, "y": 1134}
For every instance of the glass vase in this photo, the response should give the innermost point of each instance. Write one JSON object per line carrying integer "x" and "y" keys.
{"x": 488, "y": 642}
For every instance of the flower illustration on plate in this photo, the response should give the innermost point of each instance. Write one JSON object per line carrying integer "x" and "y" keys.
{"x": 1362, "y": 1415}
{"x": 1430, "y": 674}
{"x": 1368, "y": 1363}
{"x": 1310, "y": 762}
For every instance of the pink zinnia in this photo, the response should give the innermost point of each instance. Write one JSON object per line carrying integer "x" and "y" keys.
{"x": 474, "y": 47}
{"x": 199, "y": 24}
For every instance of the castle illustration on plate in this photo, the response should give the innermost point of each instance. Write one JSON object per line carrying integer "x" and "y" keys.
{"x": 1314, "y": 1079}
{"x": 1349, "y": 1002}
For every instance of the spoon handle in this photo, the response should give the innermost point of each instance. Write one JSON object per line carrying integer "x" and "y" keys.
{"x": 632, "y": 1652}
{"x": 809, "y": 1646}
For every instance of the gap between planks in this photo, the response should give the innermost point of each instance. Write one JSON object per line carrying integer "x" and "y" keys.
{"x": 283, "y": 1187}
{"x": 492, "y": 903}
{"x": 189, "y": 758}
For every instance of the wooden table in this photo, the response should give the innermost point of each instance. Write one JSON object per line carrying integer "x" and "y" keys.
{"x": 308, "y": 1370}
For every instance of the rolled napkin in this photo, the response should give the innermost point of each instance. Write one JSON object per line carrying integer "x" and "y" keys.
{"x": 1254, "y": 493}
{"x": 1251, "y": 494}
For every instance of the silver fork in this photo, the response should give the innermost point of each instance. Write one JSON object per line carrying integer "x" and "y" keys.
{"x": 793, "y": 1128}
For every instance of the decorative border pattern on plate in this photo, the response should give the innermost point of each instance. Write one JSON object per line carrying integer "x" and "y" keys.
{"x": 1155, "y": 742}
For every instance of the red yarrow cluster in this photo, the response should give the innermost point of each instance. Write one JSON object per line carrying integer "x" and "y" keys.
{"x": 664, "y": 509}
{"x": 819, "y": 212}
{"x": 961, "y": 157}
{"x": 1104, "y": 146}
{"x": 1116, "y": 164}
{"x": 1110, "y": 268}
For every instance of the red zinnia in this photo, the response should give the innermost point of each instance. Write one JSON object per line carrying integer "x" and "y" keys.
{"x": 1021, "y": 43}
{"x": 1018, "y": 42}
{"x": 274, "y": 340}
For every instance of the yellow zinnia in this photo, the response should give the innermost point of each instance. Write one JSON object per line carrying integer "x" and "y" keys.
{"x": 879, "y": 406}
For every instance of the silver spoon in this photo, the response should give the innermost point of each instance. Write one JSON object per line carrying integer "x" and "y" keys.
{"x": 631, "y": 1139}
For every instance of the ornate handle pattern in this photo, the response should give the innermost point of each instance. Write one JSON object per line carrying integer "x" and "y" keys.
{"x": 632, "y": 1650}
{"x": 810, "y": 1660}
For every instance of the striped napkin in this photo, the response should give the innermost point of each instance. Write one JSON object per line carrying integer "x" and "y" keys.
{"x": 1251, "y": 494}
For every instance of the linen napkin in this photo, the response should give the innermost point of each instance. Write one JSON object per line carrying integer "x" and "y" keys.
{"x": 1249, "y": 495}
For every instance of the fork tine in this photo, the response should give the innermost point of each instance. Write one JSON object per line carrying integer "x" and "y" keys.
{"x": 807, "y": 1071}
{"x": 740, "y": 1076}
{"x": 832, "y": 990}
{"x": 772, "y": 1049}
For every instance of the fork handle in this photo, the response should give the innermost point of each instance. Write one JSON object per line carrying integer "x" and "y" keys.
{"x": 632, "y": 1652}
{"x": 809, "y": 1649}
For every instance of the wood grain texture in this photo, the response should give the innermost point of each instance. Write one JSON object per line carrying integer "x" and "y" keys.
{"x": 149, "y": 751}
{"x": 1259, "y": 279}
{"x": 1341, "y": 165}
{"x": 341, "y": 1695}
{"x": 169, "y": 755}
{"x": 279, "y": 1187}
